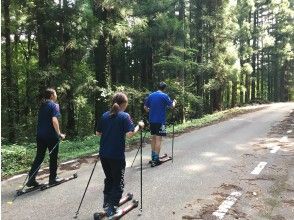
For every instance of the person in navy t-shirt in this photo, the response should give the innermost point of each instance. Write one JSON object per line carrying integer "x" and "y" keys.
{"x": 113, "y": 127}
{"x": 156, "y": 104}
{"x": 48, "y": 134}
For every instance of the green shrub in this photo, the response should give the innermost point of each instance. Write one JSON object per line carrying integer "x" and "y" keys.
{"x": 15, "y": 159}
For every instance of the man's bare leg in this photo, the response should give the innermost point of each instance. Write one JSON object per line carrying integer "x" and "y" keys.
{"x": 153, "y": 142}
{"x": 158, "y": 144}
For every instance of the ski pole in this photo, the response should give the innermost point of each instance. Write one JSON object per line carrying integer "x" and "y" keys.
{"x": 138, "y": 150}
{"x": 77, "y": 212}
{"x": 173, "y": 136}
{"x": 141, "y": 144}
{"x": 27, "y": 179}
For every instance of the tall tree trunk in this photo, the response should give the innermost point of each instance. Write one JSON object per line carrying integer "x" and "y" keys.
{"x": 253, "y": 58}
{"x": 215, "y": 98}
{"x": 67, "y": 69}
{"x": 28, "y": 99}
{"x": 100, "y": 56}
{"x": 100, "y": 53}
{"x": 183, "y": 44}
{"x": 9, "y": 78}
{"x": 15, "y": 78}
{"x": 247, "y": 85}
{"x": 43, "y": 49}
{"x": 234, "y": 94}
{"x": 228, "y": 96}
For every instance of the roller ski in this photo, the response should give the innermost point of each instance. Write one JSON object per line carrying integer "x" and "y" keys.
{"x": 20, "y": 192}
{"x": 117, "y": 213}
{"x": 63, "y": 180}
{"x": 43, "y": 186}
{"x": 161, "y": 160}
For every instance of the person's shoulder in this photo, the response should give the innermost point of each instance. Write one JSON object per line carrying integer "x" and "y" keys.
{"x": 155, "y": 93}
{"x": 52, "y": 104}
{"x": 105, "y": 114}
{"x": 123, "y": 114}
{"x": 163, "y": 94}
{"x": 152, "y": 94}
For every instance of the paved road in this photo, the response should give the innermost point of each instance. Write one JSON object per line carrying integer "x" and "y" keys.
{"x": 209, "y": 165}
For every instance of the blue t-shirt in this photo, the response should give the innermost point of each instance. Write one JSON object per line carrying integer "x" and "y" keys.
{"x": 45, "y": 128}
{"x": 157, "y": 102}
{"x": 113, "y": 138}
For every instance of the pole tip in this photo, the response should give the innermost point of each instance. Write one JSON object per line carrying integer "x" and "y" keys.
{"x": 76, "y": 215}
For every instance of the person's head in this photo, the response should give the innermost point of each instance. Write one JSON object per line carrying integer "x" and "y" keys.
{"x": 50, "y": 93}
{"x": 162, "y": 86}
{"x": 119, "y": 103}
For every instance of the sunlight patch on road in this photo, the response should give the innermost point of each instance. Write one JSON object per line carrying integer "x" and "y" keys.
{"x": 195, "y": 168}
{"x": 208, "y": 154}
{"x": 242, "y": 147}
{"x": 137, "y": 161}
{"x": 222, "y": 159}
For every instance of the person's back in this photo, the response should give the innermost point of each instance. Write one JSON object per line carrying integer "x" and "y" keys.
{"x": 157, "y": 103}
{"x": 48, "y": 135}
{"x": 45, "y": 129}
{"x": 114, "y": 129}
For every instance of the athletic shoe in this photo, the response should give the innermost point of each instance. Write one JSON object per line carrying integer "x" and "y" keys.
{"x": 111, "y": 210}
{"x": 55, "y": 181}
{"x": 117, "y": 214}
{"x": 32, "y": 183}
{"x": 155, "y": 163}
{"x": 105, "y": 207}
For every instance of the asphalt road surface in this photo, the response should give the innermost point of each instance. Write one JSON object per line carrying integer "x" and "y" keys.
{"x": 242, "y": 168}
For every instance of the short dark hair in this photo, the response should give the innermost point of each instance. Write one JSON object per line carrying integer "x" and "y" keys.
{"x": 162, "y": 86}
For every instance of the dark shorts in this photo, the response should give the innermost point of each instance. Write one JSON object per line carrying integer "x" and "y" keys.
{"x": 158, "y": 129}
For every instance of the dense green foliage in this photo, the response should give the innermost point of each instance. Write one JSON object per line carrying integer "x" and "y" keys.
{"x": 214, "y": 55}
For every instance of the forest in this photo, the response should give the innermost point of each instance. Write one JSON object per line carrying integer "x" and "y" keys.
{"x": 213, "y": 54}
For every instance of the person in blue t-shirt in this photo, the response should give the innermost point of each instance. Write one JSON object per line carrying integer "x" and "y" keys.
{"x": 156, "y": 104}
{"x": 114, "y": 126}
{"x": 48, "y": 134}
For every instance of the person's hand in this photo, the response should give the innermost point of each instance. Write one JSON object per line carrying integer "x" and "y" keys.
{"x": 174, "y": 103}
{"x": 62, "y": 136}
{"x": 141, "y": 124}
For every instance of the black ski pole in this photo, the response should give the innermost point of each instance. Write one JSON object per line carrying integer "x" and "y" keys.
{"x": 77, "y": 212}
{"x": 27, "y": 179}
{"x": 138, "y": 150}
{"x": 141, "y": 144}
{"x": 173, "y": 136}
{"x": 173, "y": 142}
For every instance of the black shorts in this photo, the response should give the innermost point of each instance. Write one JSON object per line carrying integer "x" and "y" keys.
{"x": 157, "y": 129}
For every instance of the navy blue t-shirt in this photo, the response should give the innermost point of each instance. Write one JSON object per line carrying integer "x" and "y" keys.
{"x": 157, "y": 102}
{"x": 45, "y": 128}
{"x": 113, "y": 138}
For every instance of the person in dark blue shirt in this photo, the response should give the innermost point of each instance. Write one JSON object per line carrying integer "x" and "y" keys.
{"x": 156, "y": 104}
{"x": 114, "y": 126}
{"x": 48, "y": 134}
